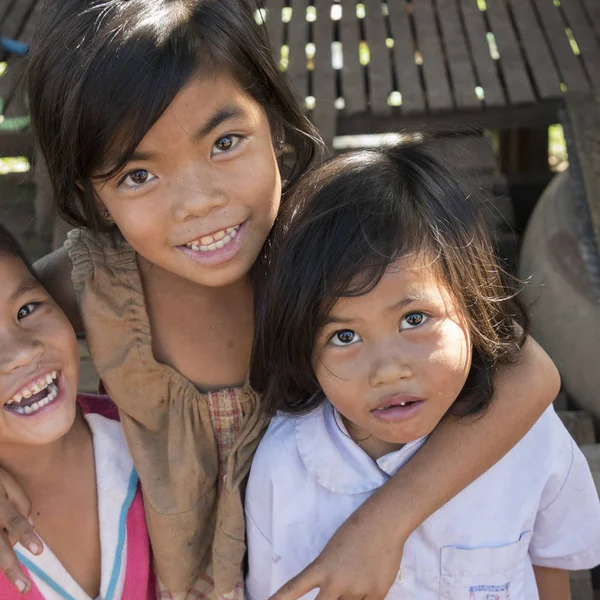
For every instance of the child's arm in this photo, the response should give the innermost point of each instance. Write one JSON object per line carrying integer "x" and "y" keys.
{"x": 362, "y": 559}
{"x": 54, "y": 271}
{"x": 552, "y": 584}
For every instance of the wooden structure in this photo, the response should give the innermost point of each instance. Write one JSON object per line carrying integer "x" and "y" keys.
{"x": 443, "y": 66}
{"x": 374, "y": 66}
{"x": 18, "y": 19}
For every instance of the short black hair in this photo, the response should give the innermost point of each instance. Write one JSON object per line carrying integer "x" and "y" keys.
{"x": 101, "y": 72}
{"x": 344, "y": 224}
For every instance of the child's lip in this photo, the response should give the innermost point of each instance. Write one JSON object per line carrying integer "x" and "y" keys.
{"x": 42, "y": 373}
{"x": 212, "y": 233}
{"x": 396, "y": 400}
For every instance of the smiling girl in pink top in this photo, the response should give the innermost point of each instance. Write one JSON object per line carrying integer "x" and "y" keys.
{"x": 67, "y": 452}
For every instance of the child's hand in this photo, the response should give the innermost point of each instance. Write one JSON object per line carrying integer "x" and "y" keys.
{"x": 15, "y": 509}
{"x": 361, "y": 561}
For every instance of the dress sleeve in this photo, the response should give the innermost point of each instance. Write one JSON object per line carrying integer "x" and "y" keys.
{"x": 566, "y": 533}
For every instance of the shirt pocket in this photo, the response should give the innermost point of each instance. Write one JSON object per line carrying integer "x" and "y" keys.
{"x": 487, "y": 573}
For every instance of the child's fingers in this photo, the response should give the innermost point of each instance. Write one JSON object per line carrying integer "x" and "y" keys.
{"x": 10, "y": 566}
{"x": 303, "y": 583}
{"x": 15, "y": 509}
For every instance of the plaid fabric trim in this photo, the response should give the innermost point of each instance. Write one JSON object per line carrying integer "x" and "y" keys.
{"x": 227, "y": 413}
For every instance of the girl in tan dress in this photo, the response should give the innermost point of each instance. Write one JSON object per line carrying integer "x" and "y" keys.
{"x": 163, "y": 125}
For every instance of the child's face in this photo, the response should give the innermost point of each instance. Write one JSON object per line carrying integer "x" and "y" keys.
{"x": 394, "y": 360}
{"x": 202, "y": 192}
{"x": 39, "y": 361}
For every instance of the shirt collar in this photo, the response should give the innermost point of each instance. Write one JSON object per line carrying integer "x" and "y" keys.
{"x": 337, "y": 463}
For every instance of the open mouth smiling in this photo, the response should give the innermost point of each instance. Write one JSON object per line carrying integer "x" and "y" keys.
{"x": 31, "y": 399}
{"x": 219, "y": 239}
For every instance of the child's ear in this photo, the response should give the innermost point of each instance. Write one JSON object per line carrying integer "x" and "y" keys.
{"x": 279, "y": 144}
{"x": 278, "y": 139}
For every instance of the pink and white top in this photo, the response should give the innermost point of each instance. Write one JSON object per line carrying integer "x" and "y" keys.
{"x": 125, "y": 552}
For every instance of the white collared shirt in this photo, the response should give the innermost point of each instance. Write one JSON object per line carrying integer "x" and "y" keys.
{"x": 537, "y": 506}
{"x": 116, "y": 482}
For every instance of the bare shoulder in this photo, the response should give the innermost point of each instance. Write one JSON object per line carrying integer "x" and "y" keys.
{"x": 54, "y": 271}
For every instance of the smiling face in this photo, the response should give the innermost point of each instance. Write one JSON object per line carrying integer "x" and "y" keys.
{"x": 39, "y": 361}
{"x": 201, "y": 193}
{"x": 394, "y": 360}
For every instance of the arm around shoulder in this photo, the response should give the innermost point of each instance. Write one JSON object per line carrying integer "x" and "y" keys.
{"x": 54, "y": 271}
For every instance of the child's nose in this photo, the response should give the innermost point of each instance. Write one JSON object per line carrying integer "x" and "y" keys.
{"x": 389, "y": 365}
{"x": 20, "y": 351}
{"x": 198, "y": 192}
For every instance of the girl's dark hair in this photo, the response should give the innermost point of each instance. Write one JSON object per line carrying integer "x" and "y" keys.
{"x": 10, "y": 247}
{"x": 102, "y": 72}
{"x": 344, "y": 224}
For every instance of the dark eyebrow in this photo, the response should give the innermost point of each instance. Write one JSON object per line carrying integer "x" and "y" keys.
{"x": 404, "y": 302}
{"x": 222, "y": 115}
{"x": 29, "y": 285}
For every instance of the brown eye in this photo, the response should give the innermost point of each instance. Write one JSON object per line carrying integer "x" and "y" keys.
{"x": 345, "y": 337}
{"x": 26, "y": 310}
{"x": 413, "y": 320}
{"x": 137, "y": 178}
{"x": 140, "y": 176}
{"x": 225, "y": 143}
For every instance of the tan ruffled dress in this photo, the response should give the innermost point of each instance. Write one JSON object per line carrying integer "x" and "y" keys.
{"x": 192, "y": 450}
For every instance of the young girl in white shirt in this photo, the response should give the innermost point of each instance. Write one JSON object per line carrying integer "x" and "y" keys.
{"x": 385, "y": 311}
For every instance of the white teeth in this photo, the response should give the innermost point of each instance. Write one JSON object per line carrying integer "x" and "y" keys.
{"x": 212, "y": 242}
{"x": 402, "y": 403}
{"x": 45, "y": 382}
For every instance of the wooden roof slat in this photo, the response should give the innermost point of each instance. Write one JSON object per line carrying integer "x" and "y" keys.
{"x": 539, "y": 55}
{"x": 14, "y": 23}
{"x": 586, "y": 40}
{"x": 32, "y": 22}
{"x": 5, "y": 7}
{"x": 404, "y": 59}
{"x": 570, "y": 68}
{"x": 297, "y": 70}
{"x": 593, "y": 9}
{"x": 21, "y": 20}
{"x": 380, "y": 74}
{"x": 519, "y": 87}
{"x": 324, "y": 114}
{"x": 484, "y": 64}
{"x": 353, "y": 81}
{"x": 459, "y": 61}
{"x": 275, "y": 25}
{"x": 439, "y": 96}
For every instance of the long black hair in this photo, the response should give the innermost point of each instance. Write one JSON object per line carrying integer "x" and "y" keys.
{"x": 343, "y": 226}
{"x": 102, "y": 72}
